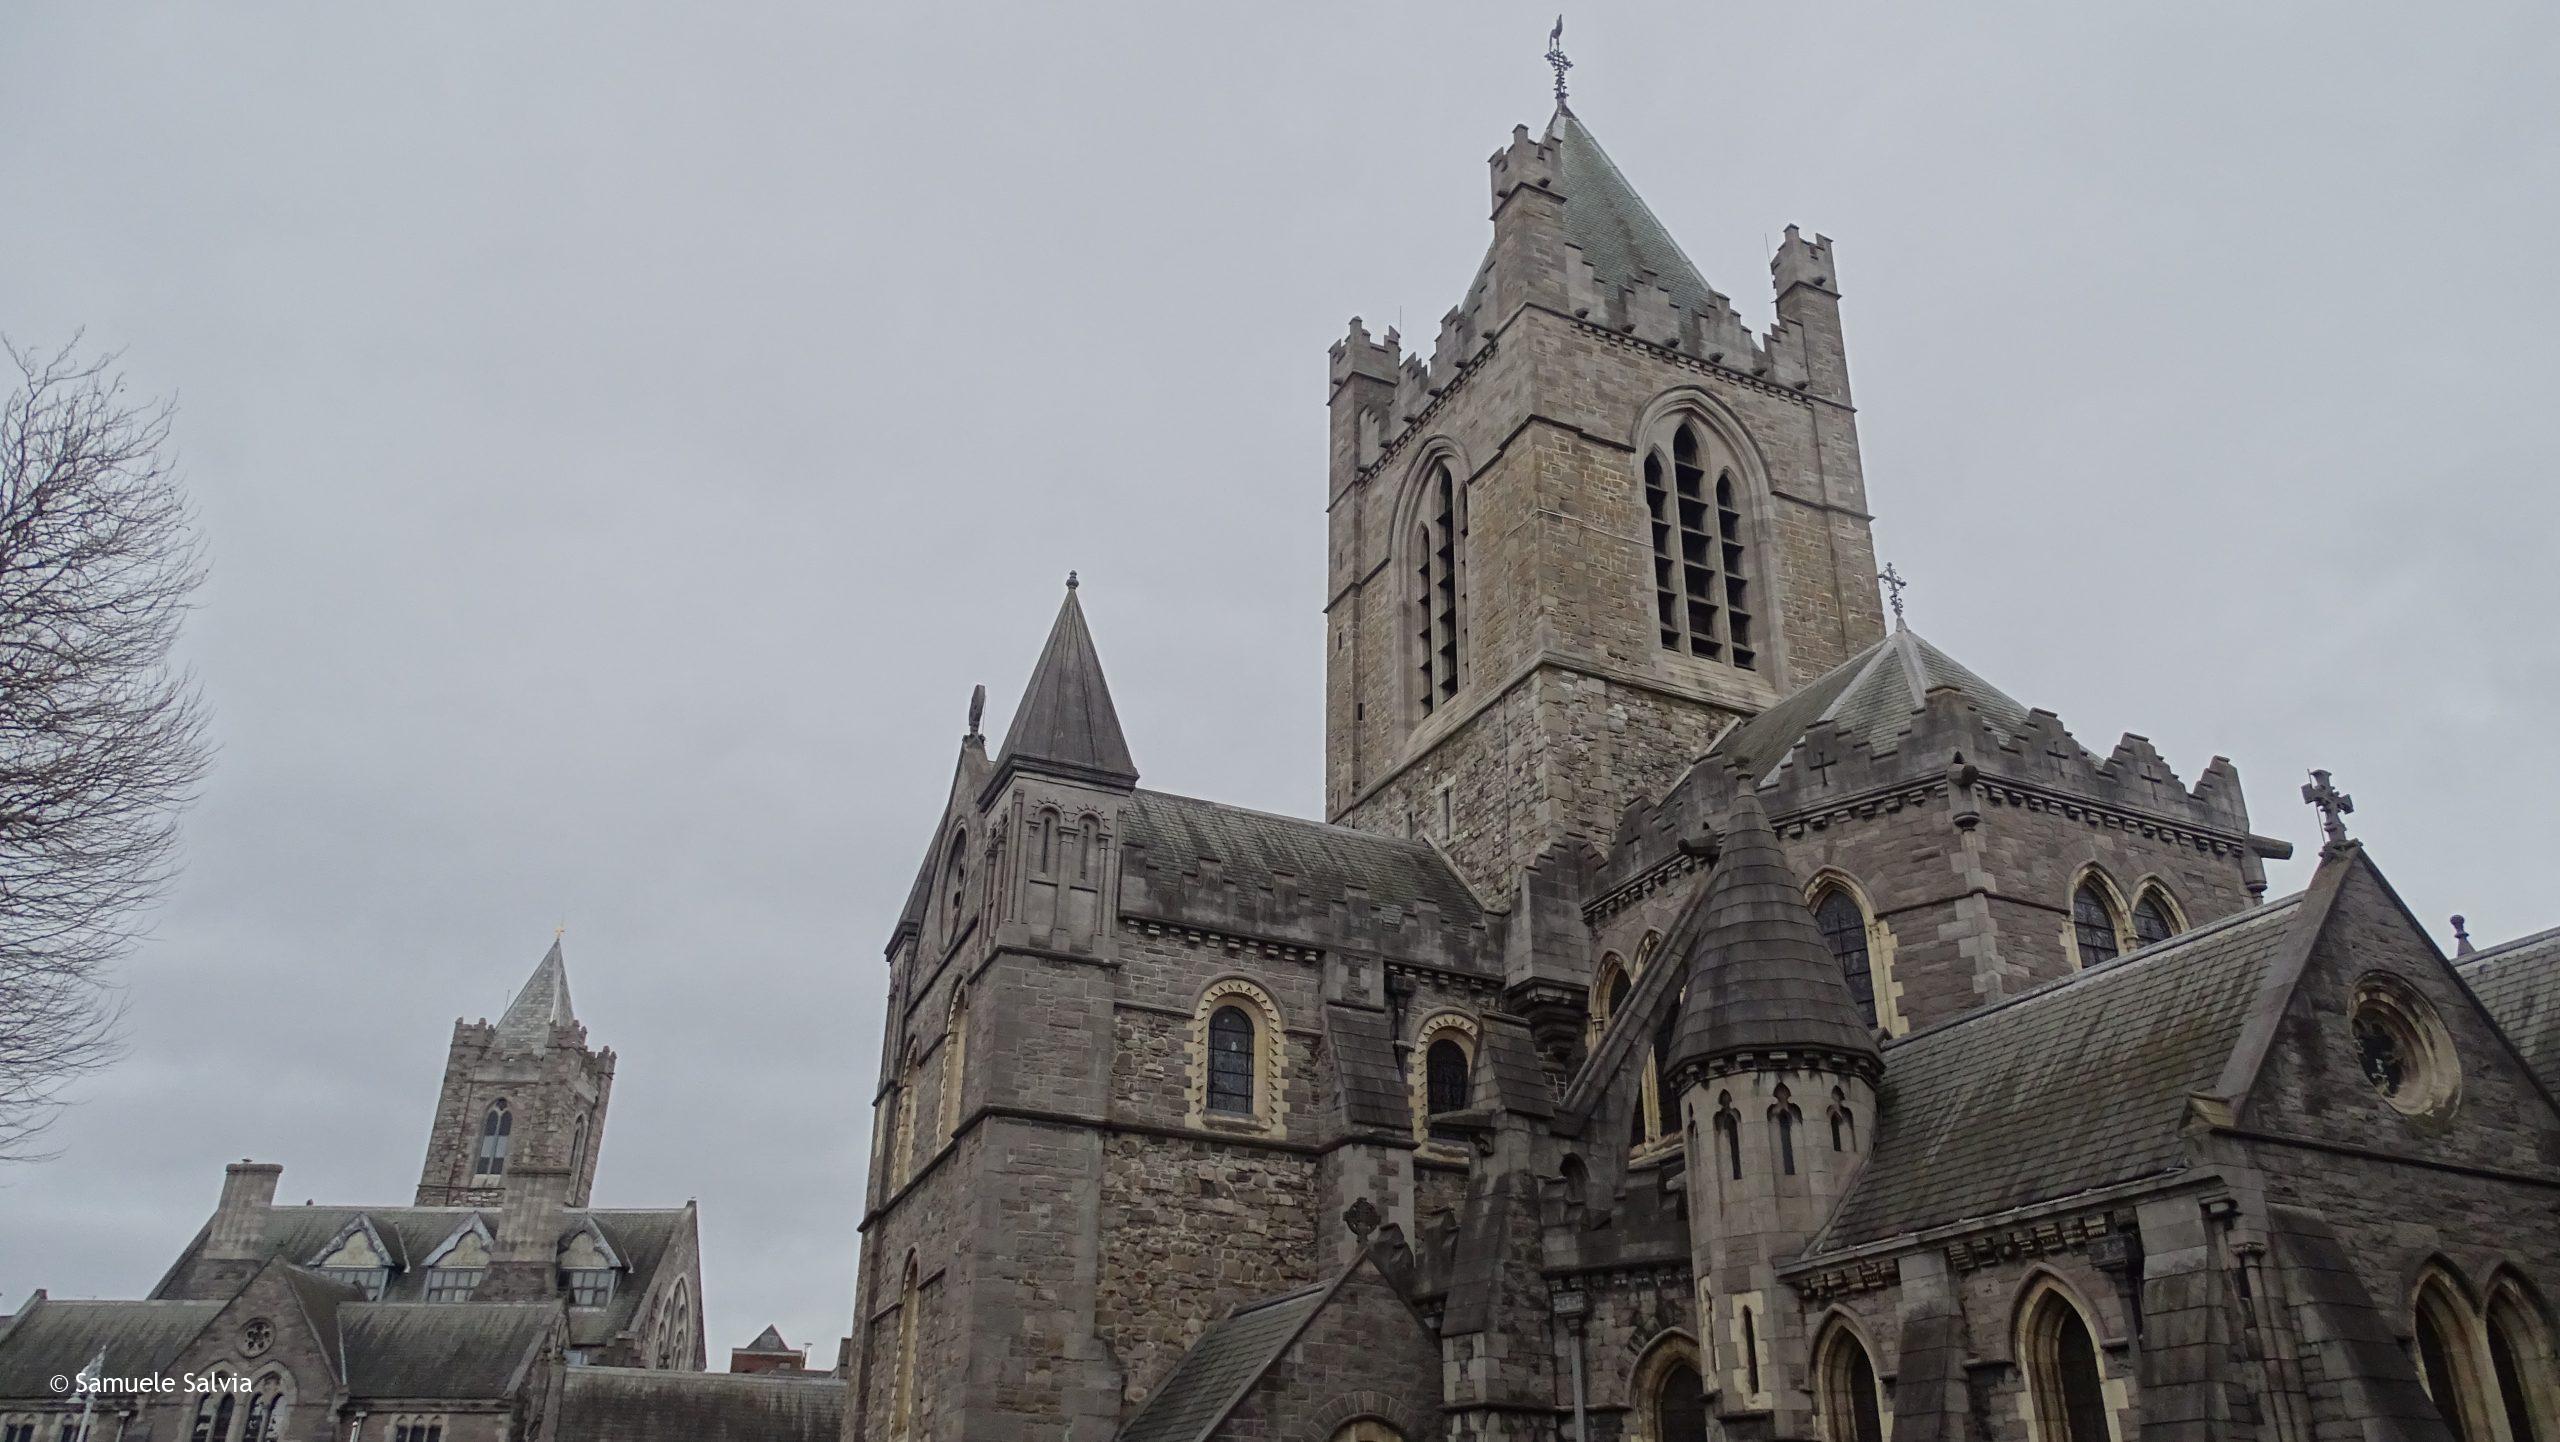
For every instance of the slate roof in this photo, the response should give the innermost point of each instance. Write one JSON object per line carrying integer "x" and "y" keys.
{"x": 2519, "y": 983}
{"x": 1616, "y": 230}
{"x": 542, "y": 1004}
{"x": 1255, "y": 848}
{"x": 622, "y": 1404}
{"x": 770, "y": 1341}
{"x": 1761, "y": 978}
{"x": 1873, "y": 694}
{"x": 641, "y": 1238}
{"x": 1066, "y": 721}
{"x": 2078, "y": 1084}
{"x": 1363, "y": 1054}
{"x": 441, "y": 1349}
{"x": 49, "y": 1339}
{"x": 1223, "y": 1365}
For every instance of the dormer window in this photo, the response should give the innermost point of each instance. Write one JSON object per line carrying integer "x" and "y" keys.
{"x": 591, "y": 1287}
{"x": 454, "y": 1272}
{"x": 587, "y": 1268}
{"x": 357, "y": 1259}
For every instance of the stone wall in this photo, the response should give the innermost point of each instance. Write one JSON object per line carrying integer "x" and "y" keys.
{"x": 1364, "y": 1354}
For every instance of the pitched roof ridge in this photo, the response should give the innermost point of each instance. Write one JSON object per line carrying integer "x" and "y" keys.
{"x": 2499, "y": 952}
{"x": 1410, "y": 843}
{"x": 2109, "y": 967}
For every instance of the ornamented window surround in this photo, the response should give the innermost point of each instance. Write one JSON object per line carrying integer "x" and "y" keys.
{"x": 2515, "y": 1312}
{"x": 1880, "y": 946}
{"x": 1416, "y": 503}
{"x": 1454, "y": 1026}
{"x": 2118, "y": 914}
{"x": 2153, "y": 888}
{"x": 2440, "y": 1298}
{"x": 1832, "y": 1338}
{"x": 2040, "y": 1394}
{"x": 2432, "y": 1085}
{"x": 1673, "y": 1348}
{"x": 1271, "y": 1059}
{"x": 955, "y": 1057}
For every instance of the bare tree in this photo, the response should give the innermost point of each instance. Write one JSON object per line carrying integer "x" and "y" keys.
{"x": 101, "y": 741}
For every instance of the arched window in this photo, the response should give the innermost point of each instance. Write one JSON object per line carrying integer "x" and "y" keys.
{"x": 1701, "y": 573}
{"x": 1088, "y": 851}
{"x": 1446, "y": 1068}
{"x": 1782, "y": 1120}
{"x": 2446, "y": 1362}
{"x": 955, "y": 1059}
{"x": 496, "y": 1124}
{"x": 577, "y": 1151}
{"x": 2063, "y": 1378}
{"x": 1845, "y": 1387}
{"x": 1044, "y": 844}
{"x": 675, "y": 1328}
{"x": 1844, "y": 1123}
{"x": 955, "y": 883}
{"x": 1844, "y": 929}
{"x": 2152, "y": 919}
{"x": 902, "y": 1162}
{"x": 902, "y": 1410}
{"x": 1729, "y": 1134}
{"x": 1439, "y": 588}
{"x": 1670, "y": 1395}
{"x": 2520, "y": 1362}
{"x": 1366, "y": 1429}
{"x": 1231, "y": 1061}
{"x": 213, "y": 1416}
{"x": 2093, "y": 923}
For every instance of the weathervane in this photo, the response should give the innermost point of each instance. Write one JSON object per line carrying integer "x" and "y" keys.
{"x": 2334, "y": 807}
{"x": 1893, "y": 584}
{"x": 1555, "y": 57}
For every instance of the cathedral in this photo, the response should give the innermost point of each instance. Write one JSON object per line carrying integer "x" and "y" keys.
{"x": 500, "y": 1306}
{"x": 1708, "y": 1009}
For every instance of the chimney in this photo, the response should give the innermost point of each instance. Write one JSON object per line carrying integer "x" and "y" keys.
{"x": 239, "y": 1231}
{"x": 530, "y": 1221}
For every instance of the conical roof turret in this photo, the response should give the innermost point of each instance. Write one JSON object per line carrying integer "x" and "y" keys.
{"x": 1761, "y": 980}
{"x": 1066, "y": 724}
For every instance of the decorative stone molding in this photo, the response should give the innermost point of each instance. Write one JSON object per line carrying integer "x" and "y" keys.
{"x": 1270, "y": 1115}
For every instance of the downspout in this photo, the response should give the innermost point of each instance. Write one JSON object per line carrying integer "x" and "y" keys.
{"x": 1569, "y": 1307}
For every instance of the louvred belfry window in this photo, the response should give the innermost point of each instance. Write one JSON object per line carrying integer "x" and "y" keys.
{"x": 1701, "y": 570}
{"x": 1439, "y": 589}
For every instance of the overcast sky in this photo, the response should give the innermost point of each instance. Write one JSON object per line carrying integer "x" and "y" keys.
{"x": 624, "y": 435}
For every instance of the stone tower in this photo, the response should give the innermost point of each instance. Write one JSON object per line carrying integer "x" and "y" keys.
{"x": 1600, "y": 524}
{"x": 1776, "y": 1075}
{"x": 526, "y": 1095}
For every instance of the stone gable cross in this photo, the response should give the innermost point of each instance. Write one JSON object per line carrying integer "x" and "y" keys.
{"x": 2334, "y": 807}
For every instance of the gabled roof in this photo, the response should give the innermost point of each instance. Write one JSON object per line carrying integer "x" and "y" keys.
{"x": 2079, "y": 1084}
{"x": 2518, "y": 982}
{"x": 770, "y": 1341}
{"x": 1616, "y": 230}
{"x": 542, "y": 1004}
{"x": 1872, "y": 695}
{"x": 49, "y": 1339}
{"x": 1224, "y": 1364}
{"x": 642, "y": 1239}
{"x": 441, "y": 1349}
{"x": 1254, "y": 849}
{"x": 1761, "y": 978}
{"x": 625, "y": 1404}
{"x": 1066, "y": 722}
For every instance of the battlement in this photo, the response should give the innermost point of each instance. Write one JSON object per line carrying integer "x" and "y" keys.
{"x": 1526, "y": 161}
{"x": 1648, "y": 314}
{"x": 1803, "y": 262}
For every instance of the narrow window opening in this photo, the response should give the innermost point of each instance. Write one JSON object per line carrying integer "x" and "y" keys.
{"x": 1844, "y": 929}
{"x": 1784, "y": 1116}
{"x": 1750, "y": 1353}
{"x": 1439, "y": 589}
{"x": 1231, "y": 1062}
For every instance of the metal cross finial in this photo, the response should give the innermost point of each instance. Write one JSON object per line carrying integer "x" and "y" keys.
{"x": 1893, "y": 584}
{"x": 2334, "y": 807}
{"x": 1555, "y": 57}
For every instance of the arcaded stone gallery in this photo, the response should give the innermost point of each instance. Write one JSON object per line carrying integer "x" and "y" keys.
{"x": 1708, "y": 1009}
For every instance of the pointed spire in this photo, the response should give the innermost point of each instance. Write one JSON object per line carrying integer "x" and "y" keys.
{"x": 1760, "y": 978}
{"x": 1066, "y": 724}
{"x": 1618, "y": 233}
{"x": 540, "y": 1006}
